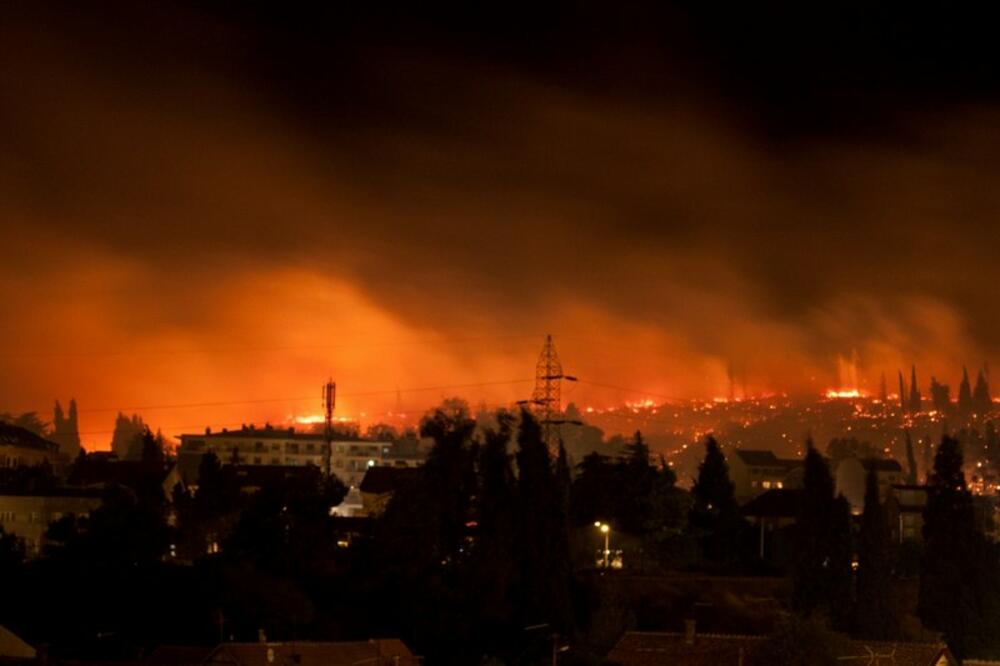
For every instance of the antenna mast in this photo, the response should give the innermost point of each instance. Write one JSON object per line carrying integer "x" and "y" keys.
{"x": 329, "y": 401}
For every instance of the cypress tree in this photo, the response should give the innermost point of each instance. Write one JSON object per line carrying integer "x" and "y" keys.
{"x": 915, "y": 402}
{"x": 494, "y": 558}
{"x": 715, "y": 513}
{"x": 561, "y": 571}
{"x": 902, "y": 393}
{"x": 874, "y": 616}
{"x": 811, "y": 573}
{"x": 949, "y": 543}
{"x": 982, "y": 403}
{"x": 964, "y": 395}
{"x": 911, "y": 460}
{"x": 635, "y": 488}
{"x": 840, "y": 576}
{"x": 536, "y": 502}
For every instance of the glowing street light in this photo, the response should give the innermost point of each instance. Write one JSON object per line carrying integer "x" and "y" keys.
{"x": 606, "y": 531}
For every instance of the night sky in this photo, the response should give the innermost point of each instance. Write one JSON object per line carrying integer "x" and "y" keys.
{"x": 230, "y": 201}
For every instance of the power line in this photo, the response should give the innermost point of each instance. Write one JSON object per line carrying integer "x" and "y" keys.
{"x": 29, "y": 354}
{"x": 200, "y": 426}
{"x": 630, "y": 390}
{"x": 357, "y": 394}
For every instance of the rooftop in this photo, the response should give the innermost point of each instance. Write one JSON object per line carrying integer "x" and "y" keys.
{"x": 882, "y": 464}
{"x": 656, "y": 649}
{"x": 379, "y": 480}
{"x": 765, "y": 458}
{"x": 268, "y": 432}
{"x": 774, "y": 503}
{"x": 13, "y": 435}
{"x": 377, "y": 652}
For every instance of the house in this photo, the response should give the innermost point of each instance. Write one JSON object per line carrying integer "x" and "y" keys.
{"x": 349, "y": 459}
{"x": 851, "y": 477}
{"x": 375, "y": 652}
{"x": 20, "y": 447}
{"x": 378, "y": 486}
{"x": 177, "y": 655}
{"x": 772, "y": 512}
{"x": 101, "y": 469}
{"x": 691, "y": 649}
{"x": 756, "y": 471}
{"x": 29, "y": 514}
{"x": 904, "y": 510}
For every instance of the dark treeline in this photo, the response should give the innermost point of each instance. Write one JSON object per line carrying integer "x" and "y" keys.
{"x": 487, "y": 554}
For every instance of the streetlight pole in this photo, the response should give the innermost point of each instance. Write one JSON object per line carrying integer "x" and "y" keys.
{"x": 606, "y": 531}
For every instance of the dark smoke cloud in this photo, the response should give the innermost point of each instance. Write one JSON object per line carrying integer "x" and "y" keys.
{"x": 180, "y": 179}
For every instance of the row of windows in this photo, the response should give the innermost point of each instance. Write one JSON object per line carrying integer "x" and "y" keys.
{"x": 767, "y": 485}
{"x": 289, "y": 447}
{"x": 766, "y": 472}
{"x": 11, "y": 461}
{"x": 356, "y": 464}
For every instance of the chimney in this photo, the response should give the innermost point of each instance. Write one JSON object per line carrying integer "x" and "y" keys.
{"x": 689, "y": 632}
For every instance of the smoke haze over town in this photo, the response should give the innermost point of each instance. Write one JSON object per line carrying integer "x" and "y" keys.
{"x": 205, "y": 205}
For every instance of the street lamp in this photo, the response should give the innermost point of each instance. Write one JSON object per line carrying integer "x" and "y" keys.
{"x": 606, "y": 531}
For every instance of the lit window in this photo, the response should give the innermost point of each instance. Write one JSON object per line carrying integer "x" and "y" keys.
{"x": 766, "y": 484}
{"x": 779, "y": 484}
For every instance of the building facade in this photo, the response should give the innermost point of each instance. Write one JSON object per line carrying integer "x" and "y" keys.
{"x": 851, "y": 478}
{"x": 756, "y": 471}
{"x": 349, "y": 459}
{"x": 22, "y": 448}
{"x": 28, "y": 515}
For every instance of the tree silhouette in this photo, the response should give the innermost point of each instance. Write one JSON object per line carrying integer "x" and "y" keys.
{"x": 902, "y": 393}
{"x": 950, "y": 546}
{"x": 823, "y": 544}
{"x": 911, "y": 459}
{"x": 965, "y": 406}
{"x": 982, "y": 403}
{"x": 714, "y": 514}
{"x": 915, "y": 400}
{"x": 874, "y": 617}
{"x": 940, "y": 397}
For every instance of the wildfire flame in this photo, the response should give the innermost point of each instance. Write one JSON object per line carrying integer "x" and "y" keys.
{"x": 834, "y": 394}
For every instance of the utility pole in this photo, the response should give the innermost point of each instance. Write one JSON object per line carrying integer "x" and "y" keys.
{"x": 329, "y": 400}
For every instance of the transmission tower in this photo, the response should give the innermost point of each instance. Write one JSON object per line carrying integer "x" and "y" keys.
{"x": 546, "y": 400}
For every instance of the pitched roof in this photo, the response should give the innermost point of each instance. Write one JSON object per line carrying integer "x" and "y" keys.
{"x": 13, "y": 435}
{"x": 12, "y": 647}
{"x": 882, "y": 464}
{"x": 246, "y": 476}
{"x": 774, "y": 503}
{"x": 376, "y": 652}
{"x": 271, "y": 432}
{"x": 765, "y": 458}
{"x": 656, "y": 649}
{"x": 178, "y": 655}
{"x": 379, "y": 480}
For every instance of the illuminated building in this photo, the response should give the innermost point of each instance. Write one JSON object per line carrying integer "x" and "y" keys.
{"x": 754, "y": 472}
{"x": 349, "y": 459}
